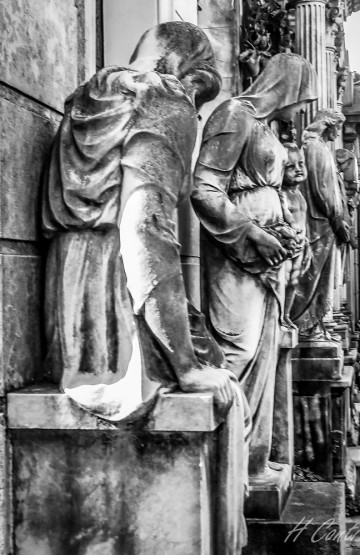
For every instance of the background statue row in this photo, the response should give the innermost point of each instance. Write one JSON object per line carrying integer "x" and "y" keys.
{"x": 323, "y": 215}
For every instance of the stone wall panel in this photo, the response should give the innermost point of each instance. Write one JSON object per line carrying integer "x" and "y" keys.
{"x": 22, "y": 156}
{"x": 21, "y": 319}
{"x": 38, "y": 50}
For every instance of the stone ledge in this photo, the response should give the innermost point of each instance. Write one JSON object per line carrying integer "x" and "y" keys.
{"x": 44, "y": 407}
{"x": 289, "y": 338}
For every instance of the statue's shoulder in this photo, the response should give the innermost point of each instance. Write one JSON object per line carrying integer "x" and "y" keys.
{"x": 231, "y": 116}
{"x": 117, "y": 84}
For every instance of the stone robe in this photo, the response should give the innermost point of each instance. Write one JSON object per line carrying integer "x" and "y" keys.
{"x": 244, "y": 295}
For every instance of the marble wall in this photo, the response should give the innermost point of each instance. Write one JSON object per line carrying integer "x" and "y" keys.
{"x": 41, "y": 62}
{"x": 45, "y": 50}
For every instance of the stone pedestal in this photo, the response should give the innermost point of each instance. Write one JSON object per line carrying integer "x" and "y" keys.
{"x": 313, "y": 523}
{"x": 322, "y": 407}
{"x": 268, "y": 496}
{"x": 83, "y": 484}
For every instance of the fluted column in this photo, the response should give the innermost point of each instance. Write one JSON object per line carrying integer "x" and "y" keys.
{"x": 331, "y": 77}
{"x": 310, "y": 42}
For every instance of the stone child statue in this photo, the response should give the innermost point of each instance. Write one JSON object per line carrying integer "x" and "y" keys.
{"x": 119, "y": 166}
{"x": 295, "y": 174}
{"x": 236, "y": 196}
{"x": 327, "y": 228}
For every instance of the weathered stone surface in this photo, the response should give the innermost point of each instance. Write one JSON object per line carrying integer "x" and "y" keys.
{"x": 222, "y": 41}
{"x": 313, "y": 523}
{"x": 46, "y": 66}
{"x": 129, "y": 493}
{"x": 21, "y": 163}
{"x": 21, "y": 319}
{"x": 44, "y": 407}
{"x": 217, "y": 13}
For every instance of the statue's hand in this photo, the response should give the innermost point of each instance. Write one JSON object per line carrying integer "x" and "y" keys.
{"x": 208, "y": 379}
{"x": 268, "y": 246}
{"x": 343, "y": 231}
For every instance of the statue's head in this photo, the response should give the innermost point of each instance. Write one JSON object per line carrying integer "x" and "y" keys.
{"x": 295, "y": 168}
{"x": 287, "y": 83}
{"x": 183, "y": 50}
{"x": 327, "y": 123}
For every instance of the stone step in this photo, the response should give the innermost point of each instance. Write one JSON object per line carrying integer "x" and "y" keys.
{"x": 313, "y": 522}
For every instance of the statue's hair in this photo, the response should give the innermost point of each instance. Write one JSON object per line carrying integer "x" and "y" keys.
{"x": 184, "y": 50}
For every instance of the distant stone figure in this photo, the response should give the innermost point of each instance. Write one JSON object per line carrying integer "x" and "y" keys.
{"x": 295, "y": 174}
{"x": 327, "y": 228}
{"x": 237, "y": 181}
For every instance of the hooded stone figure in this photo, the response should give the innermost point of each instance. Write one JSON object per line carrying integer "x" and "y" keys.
{"x": 237, "y": 181}
{"x": 119, "y": 166}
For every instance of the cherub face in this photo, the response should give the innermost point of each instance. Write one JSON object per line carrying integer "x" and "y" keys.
{"x": 295, "y": 169}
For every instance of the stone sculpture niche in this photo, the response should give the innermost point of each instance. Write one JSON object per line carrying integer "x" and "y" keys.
{"x": 246, "y": 239}
{"x": 327, "y": 228}
{"x": 117, "y": 322}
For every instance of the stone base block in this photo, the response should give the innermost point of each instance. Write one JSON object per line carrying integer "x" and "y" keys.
{"x": 313, "y": 522}
{"x": 267, "y": 499}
